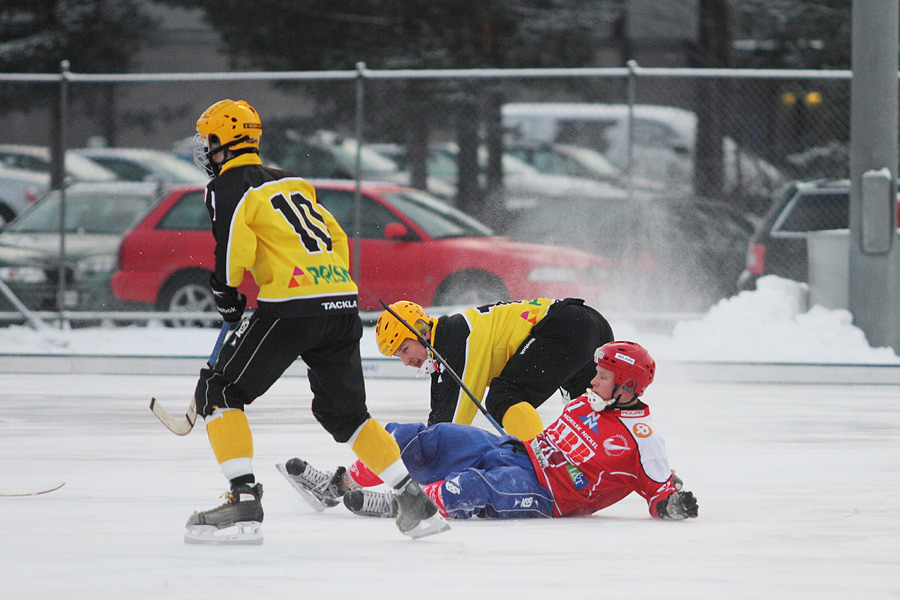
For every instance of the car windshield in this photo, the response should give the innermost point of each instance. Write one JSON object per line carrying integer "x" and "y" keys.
{"x": 167, "y": 166}
{"x": 373, "y": 164}
{"x": 438, "y": 219}
{"x": 85, "y": 213}
{"x": 84, "y": 169}
{"x": 595, "y": 161}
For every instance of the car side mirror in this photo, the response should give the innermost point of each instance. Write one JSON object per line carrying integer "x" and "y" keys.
{"x": 396, "y": 231}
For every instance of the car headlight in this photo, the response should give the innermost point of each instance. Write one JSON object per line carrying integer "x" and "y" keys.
{"x": 23, "y": 274}
{"x": 553, "y": 274}
{"x": 93, "y": 266}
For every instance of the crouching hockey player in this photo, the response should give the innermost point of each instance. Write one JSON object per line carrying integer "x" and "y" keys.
{"x": 602, "y": 448}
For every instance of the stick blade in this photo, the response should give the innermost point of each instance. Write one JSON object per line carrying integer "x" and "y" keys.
{"x": 182, "y": 426}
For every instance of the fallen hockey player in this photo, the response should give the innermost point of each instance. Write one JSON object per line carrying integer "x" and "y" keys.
{"x": 603, "y": 447}
{"x": 513, "y": 356}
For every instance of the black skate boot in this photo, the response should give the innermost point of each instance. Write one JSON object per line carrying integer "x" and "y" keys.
{"x": 241, "y": 515}
{"x": 367, "y": 503}
{"x": 417, "y": 514}
{"x": 321, "y": 489}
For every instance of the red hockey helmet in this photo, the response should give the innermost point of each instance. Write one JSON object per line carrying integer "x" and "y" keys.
{"x": 632, "y": 366}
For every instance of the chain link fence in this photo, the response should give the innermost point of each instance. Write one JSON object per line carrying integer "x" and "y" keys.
{"x": 663, "y": 172}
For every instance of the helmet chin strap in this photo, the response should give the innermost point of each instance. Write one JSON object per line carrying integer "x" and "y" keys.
{"x": 428, "y": 367}
{"x": 598, "y": 403}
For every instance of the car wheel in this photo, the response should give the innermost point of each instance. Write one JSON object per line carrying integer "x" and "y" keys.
{"x": 189, "y": 292}
{"x": 470, "y": 288}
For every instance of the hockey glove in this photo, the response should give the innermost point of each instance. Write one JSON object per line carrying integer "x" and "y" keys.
{"x": 678, "y": 506}
{"x": 229, "y": 302}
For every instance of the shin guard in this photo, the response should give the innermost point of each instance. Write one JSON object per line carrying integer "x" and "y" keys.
{"x": 231, "y": 441}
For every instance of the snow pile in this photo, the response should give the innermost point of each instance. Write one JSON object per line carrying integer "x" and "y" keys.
{"x": 771, "y": 324}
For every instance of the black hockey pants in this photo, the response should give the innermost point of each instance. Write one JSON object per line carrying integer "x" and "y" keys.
{"x": 559, "y": 353}
{"x": 261, "y": 349}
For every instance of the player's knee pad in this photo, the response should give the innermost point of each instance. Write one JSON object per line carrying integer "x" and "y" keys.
{"x": 522, "y": 421}
{"x": 229, "y": 434}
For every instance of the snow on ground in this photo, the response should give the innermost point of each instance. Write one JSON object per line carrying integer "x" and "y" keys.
{"x": 797, "y": 488}
{"x": 769, "y": 324}
{"x": 797, "y": 484}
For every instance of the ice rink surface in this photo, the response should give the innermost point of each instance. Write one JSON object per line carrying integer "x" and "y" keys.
{"x": 798, "y": 485}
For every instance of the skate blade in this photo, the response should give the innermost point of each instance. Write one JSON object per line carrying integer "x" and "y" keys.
{"x": 310, "y": 498}
{"x": 242, "y": 533}
{"x": 430, "y": 526}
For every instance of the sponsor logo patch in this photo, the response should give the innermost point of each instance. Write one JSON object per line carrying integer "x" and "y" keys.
{"x": 525, "y": 502}
{"x": 642, "y": 430}
{"x": 339, "y": 304}
{"x": 590, "y": 421}
{"x": 577, "y": 476}
{"x": 616, "y": 445}
{"x": 452, "y": 486}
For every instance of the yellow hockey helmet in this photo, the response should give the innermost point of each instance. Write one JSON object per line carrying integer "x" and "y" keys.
{"x": 390, "y": 333}
{"x": 226, "y": 125}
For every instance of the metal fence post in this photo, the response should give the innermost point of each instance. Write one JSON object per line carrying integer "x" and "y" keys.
{"x": 61, "y": 152}
{"x": 357, "y": 196}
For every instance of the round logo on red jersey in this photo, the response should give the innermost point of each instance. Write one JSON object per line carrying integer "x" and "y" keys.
{"x": 616, "y": 445}
{"x": 642, "y": 430}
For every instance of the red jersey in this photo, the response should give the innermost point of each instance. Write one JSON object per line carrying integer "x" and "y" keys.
{"x": 590, "y": 460}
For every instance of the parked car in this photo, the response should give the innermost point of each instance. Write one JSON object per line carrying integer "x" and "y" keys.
{"x": 524, "y": 187}
{"x": 328, "y": 155}
{"x": 575, "y": 161}
{"x": 779, "y": 244}
{"x": 412, "y": 246}
{"x": 25, "y": 176}
{"x": 145, "y": 164}
{"x": 671, "y": 253}
{"x": 96, "y": 216}
{"x": 19, "y": 188}
{"x": 664, "y": 140}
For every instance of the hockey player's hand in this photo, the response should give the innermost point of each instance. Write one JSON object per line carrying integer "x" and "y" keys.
{"x": 678, "y": 506}
{"x": 229, "y": 302}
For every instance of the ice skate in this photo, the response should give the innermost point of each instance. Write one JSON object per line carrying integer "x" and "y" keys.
{"x": 368, "y": 503}
{"x": 321, "y": 489}
{"x": 417, "y": 514}
{"x": 237, "y": 521}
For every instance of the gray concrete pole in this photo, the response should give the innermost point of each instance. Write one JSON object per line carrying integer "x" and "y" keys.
{"x": 874, "y": 286}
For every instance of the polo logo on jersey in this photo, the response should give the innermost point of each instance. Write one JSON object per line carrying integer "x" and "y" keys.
{"x": 304, "y": 279}
{"x": 328, "y": 274}
{"x": 590, "y": 421}
{"x": 578, "y": 478}
{"x": 616, "y": 445}
{"x": 642, "y": 430}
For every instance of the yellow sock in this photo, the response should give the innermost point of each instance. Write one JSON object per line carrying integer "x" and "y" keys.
{"x": 231, "y": 441}
{"x": 522, "y": 421}
{"x": 378, "y": 450}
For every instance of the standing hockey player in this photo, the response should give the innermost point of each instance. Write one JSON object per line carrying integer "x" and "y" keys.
{"x": 268, "y": 222}
{"x": 603, "y": 447}
{"x": 523, "y": 351}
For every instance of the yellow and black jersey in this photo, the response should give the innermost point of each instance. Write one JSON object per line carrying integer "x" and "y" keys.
{"x": 477, "y": 344}
{"x": 268, "y": 222}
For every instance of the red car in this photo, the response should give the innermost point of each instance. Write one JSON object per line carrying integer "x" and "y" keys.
{"x": 414, "y": 247}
